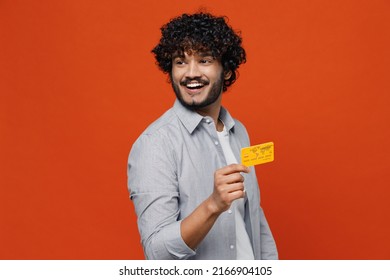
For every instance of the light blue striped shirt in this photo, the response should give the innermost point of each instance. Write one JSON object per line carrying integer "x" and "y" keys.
{"x": 171, "y": 171}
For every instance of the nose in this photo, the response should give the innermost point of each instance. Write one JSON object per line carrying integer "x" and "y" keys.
{"x": 193, "y": 70}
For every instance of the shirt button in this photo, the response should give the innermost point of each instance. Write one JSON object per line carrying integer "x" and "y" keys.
{"x": 208, "y": 121}
{"x": 230, "y": 211}
{"x": 232, "y": 247}
{"x": 216, "y": 143}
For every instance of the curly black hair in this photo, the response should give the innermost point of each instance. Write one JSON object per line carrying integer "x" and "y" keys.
{"x": 201, "y": 32}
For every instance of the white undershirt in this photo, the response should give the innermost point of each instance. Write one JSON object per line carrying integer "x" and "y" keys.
{"x": 244, "y": 247}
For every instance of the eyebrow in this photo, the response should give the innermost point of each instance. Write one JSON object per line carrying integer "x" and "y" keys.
{"x": 204, "y": 54}
{"x": 201, "y": 54}
{"x": 177, "y": 55}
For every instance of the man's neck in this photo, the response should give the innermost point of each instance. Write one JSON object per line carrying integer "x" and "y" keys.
{"x": 213, "y": 111}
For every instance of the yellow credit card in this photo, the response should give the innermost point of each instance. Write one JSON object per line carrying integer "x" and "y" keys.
{"x": 257, "y": 154}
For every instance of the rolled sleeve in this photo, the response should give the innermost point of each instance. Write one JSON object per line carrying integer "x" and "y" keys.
{"x": 154, "y": 191}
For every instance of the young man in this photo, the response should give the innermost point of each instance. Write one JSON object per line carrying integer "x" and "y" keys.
{"x": 192, "y": 197}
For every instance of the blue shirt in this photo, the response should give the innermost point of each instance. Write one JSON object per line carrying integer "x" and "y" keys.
{"x": 171, "y": 171}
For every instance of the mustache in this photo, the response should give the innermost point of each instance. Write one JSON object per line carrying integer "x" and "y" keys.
{"x": 199, "y": 80}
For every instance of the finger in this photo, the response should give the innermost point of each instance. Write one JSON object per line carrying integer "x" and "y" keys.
{"x": 232, "y": 178}
{"x": 234, "y": 187}
{"x": 227, "y": 188}
{"x": 234, "y": 168}
{"x": 236, "y": 195}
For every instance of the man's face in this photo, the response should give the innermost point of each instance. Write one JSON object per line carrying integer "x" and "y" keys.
{"x": 197, "y": 79}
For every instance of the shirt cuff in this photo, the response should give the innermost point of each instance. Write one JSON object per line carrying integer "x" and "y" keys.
{"x": 175, "y": 244}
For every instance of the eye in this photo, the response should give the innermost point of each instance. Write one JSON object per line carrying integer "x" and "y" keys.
{"x": 179, "y": 62}
{"x": 206, "y": 60}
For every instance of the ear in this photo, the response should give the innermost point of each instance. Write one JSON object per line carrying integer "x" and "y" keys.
{"x": 228, "y": 75}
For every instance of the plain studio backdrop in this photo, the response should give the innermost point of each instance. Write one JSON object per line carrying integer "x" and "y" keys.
{"x": 78, "y": 84}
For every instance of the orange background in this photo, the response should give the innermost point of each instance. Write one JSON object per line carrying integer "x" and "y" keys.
{"x": 78, "y": 84}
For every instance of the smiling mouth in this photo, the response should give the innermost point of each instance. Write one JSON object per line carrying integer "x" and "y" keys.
{"x": 193, "y": 86}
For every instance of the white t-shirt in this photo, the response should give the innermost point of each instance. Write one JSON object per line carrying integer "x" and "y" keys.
{"x": 243, "y": 244}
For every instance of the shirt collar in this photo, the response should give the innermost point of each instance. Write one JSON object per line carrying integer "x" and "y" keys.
{"x": 190, "y": 119}
{"x": 227, "y": 119}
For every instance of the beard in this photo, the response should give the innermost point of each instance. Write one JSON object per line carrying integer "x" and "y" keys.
{"x": 213, "y": 95}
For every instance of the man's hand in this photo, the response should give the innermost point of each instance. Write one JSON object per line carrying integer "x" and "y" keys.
{"x": 228, "y": 186}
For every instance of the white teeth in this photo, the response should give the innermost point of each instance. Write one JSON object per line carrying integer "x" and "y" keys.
{"x": 194, "y": 85}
